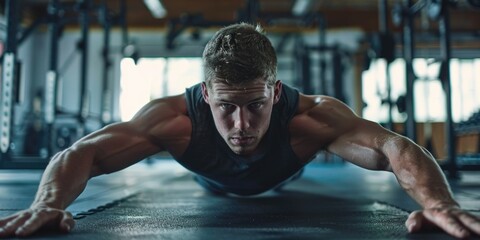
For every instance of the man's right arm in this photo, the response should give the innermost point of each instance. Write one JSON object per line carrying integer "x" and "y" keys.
{"x": 108, "y": 150}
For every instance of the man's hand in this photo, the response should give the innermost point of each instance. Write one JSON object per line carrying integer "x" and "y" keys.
{"x": 453, "y": 220}
{"x": 26, "y": 222}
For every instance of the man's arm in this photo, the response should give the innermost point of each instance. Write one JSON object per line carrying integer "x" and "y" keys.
{"x": 108, "y": 150}
{"x": 371, "y": 146}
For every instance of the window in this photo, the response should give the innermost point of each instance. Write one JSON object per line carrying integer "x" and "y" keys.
{"x": 428, "y": 90}
{"x": 153, "y": 78}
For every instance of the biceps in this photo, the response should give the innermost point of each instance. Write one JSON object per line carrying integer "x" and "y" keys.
{"x": 361, "y": 146}
{"x": 362, "y": 156}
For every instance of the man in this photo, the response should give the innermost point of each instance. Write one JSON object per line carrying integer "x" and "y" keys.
{"x": 243, "y": 132}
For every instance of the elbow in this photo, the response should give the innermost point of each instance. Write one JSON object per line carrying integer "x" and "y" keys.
{"x": 382, "y": 163}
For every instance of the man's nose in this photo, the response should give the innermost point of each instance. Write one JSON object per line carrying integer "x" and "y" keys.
{"x": 241, "y": 119}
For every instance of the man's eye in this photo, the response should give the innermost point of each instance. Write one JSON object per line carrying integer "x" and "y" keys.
{"x": 256, "y": 105}
{"x": 225, "y": 106}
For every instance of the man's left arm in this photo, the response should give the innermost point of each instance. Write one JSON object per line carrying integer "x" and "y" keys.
{"x": 419, "y": 174}
{"x": 371, "y": 146}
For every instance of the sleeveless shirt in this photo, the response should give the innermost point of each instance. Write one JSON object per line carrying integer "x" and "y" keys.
{"x": 218, "y": 166}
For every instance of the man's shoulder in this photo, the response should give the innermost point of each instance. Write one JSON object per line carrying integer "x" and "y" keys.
{"x": 325, "y": 111}
{"x": 309, "y": 104}
{"x": 168, "y": 105}
{"x": 166, "y": 121}
{"x": 177, "y": 103}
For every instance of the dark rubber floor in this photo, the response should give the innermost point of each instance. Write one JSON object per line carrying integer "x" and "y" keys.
{"x": 161, "y": 201}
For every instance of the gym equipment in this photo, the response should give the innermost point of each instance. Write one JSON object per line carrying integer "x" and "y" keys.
{"x": 408, "y": 55}
{"x": 445, "y": 49}
{"x": 177, "y": 25}
{"x": 52, "y": 131}
{"x": 404, "y": 14}
{"x": 439, "y": 11}
{"x": 303, "y": 61}
{"x": 383, "y": 46}
{"x": 9, "y": 94}
{"x": 472, "y": 124}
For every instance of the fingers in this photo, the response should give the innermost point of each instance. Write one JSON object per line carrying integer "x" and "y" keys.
{"x": 454, "y": 221}
{"x": 446, "y": 220}
{"x": 49, "y": 217}
{"x": 5, "y": 220}
{"x": 34, "y": 223}
{"x": 9, "y": 228}
{"x": 471, "y": 221}
{"x": 415, "y": 221}
{"x": 67, "y": 223}
{"x": 31, "y": 221}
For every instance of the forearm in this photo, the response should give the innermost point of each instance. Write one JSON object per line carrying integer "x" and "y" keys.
{"x": 419, "y": 174}
{"x": 64, "y": 178}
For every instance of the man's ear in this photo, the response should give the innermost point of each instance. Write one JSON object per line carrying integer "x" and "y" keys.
{"x": 277, "y": 91}
{"x": 205, "y": 92}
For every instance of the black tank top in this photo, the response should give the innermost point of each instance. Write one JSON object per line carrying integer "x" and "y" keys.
{"x": 211, "y": 158}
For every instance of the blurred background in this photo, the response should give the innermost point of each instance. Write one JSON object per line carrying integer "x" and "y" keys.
{"x": 71, "y": 67}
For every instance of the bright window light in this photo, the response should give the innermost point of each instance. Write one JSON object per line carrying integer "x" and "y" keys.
{"x": 153, "y": 78}
{"x": 428, "y": 90}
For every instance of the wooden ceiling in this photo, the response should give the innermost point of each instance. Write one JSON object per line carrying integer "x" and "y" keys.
{"x": 362, "y": 14}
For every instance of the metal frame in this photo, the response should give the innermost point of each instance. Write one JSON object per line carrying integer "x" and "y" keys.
{"x": 408, "y": 55}
{"x": 445, "y": 47}
{"x": 106, "y": 21}
{"x": 303, "y": 72}
{"x": 178, "y": 25}
{"x": 51, "y": 78}
{"x": 338, "y": 70}
{"x": 85, "y": 7}
{"x": 384, "y": 33}
{"x": 442, "y": 16}
{"x": 10, "y": 84}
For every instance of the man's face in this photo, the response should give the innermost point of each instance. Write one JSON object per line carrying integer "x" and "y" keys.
{"x": 242, "y": 114}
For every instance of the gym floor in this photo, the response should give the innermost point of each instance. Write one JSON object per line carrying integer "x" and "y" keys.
{"x": 160, "y": 200}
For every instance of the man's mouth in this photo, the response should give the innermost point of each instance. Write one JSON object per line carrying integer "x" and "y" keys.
{"x": 242, "y": 141}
